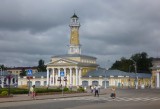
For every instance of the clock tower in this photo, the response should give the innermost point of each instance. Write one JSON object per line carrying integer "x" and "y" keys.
{"x": 74, "y": 47}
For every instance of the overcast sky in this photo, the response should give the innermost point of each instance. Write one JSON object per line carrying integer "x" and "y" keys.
{"x": 31, "y": 30}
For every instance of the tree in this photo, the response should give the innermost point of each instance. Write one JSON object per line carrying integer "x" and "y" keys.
{"x": 2, "y": 67}
{"x": 122, "y": 65}
{"x": 142, "y": 60}
{"x": 41, "y": 66}
{"x": 23, "y": 73}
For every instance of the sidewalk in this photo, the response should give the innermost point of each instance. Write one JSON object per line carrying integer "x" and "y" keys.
{"x": 25, "y": 97}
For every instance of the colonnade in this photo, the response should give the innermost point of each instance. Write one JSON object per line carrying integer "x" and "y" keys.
{"x": 5, "y": 81}
{"x": 72, "y": 76}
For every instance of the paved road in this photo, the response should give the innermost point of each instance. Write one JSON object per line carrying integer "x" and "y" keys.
{"x": 126, "y": 99}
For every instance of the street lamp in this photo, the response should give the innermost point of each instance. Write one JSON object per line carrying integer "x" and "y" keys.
{"x": 135, "y": 65}
{"x": 105, "y": 77}
{"x": 9, "y": 82}
{"x": 65, "y": 80}
{"x": 130, "y": 68}
{"x": 1, "y": 71}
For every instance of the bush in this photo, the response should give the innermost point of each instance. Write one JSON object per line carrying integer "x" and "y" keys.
{"x": 4, "y": 93}
{"x": 65, "y": 89}
{"x": 19, "y": 91}
{"x": 44, "y": 90}
{"x": 80, "y": 89}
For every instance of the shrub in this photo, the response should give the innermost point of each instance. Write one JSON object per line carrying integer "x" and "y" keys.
{"x": 65, "y": 89}
{"x": 44, "y": 90}
{"x": 80, "y": 89}
{"x": 4, "y": 93}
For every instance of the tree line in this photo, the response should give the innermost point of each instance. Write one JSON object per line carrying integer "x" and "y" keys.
{"x": 143, "y": 63}
{"x": 41, "y": 68}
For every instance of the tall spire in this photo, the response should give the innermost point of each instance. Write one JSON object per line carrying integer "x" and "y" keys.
{"x": 74, "y": 47}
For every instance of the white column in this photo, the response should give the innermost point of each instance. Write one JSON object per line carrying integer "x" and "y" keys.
{"x": 77, "y": 76}
{"x": 2, "y": 80}
{"x": 90, "y": 80}
{"x": 50, "y": 79}
{"x": 80, "y": 74}
{"x": 58, "y": 72}
{"x": 53, "y": 75}
{"x": 47, "y": 77}
{"x": 157, "y": 79}
{"x": 56, "y": 77}
{"x": 7, "y": 81}
{"x": 11, "y": 79}
{"x": 65, "y": 73}
{"x": 70, "y": 76}
{"x": 59, "y": 76}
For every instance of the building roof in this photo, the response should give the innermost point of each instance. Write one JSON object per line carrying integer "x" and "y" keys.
{"x": 115, "y": 73}
{"x": 156, "y": 59}
{"x": 20, "y": 68}
{"x": 73, "y": 55}
{"x": 74, "y": 16}
{"x": 155, "y": 67}
{"x": 5, "y": 73}
{"x": 39, "y": 74}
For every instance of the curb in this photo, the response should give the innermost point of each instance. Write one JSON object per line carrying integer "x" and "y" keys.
{"x": 49, "y": 98}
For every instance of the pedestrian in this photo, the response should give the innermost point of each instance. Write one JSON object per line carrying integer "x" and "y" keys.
{"x": 91, "y": 89}
{"x": 96, "y": 91}
{"x": 99, "y": 87}
{"x": 122, "y": 84}
{"x": 33, "y": 93}
{"x": 113, "y": 93}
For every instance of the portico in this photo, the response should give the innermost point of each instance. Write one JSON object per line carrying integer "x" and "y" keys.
{"x": 72, "y": 76}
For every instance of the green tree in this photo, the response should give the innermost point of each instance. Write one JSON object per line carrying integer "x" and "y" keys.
{"x": 23, "y": 72}
{"x": 2, "y": 67}
{"x": 122, "y": 65}
{"x": 142, "y": 60}
{"x": 41, "y": 66}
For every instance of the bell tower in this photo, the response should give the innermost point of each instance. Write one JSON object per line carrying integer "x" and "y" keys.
{"x": 74, "y": 47}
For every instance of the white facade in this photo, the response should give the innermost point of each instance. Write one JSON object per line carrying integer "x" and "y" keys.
{"x": 4, "y": 80}
{"x": 72, "y": 76}
{"x": 38, "y": 82}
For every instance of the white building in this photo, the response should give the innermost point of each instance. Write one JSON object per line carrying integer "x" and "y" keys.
{"x": 7, "y": 79}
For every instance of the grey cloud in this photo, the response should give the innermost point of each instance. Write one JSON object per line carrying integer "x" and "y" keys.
{"x": 31, "y": 30}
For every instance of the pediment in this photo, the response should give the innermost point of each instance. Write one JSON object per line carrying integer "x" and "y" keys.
{"x": 63, "y": 62}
